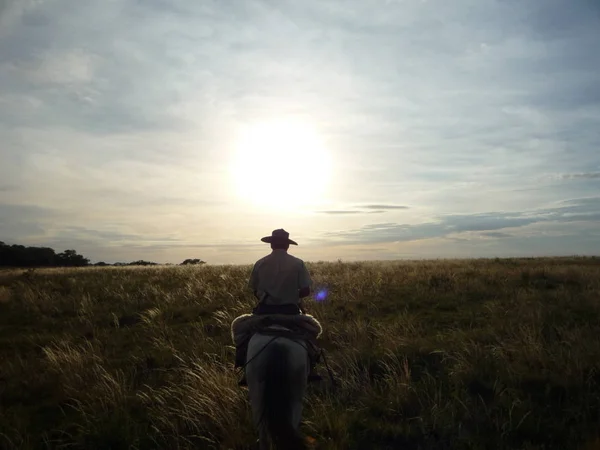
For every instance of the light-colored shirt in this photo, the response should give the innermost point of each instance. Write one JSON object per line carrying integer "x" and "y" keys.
{"x": 278, "y": 277}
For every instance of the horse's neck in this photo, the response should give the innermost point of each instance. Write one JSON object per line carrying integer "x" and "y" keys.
{"x": 293, "y": 355}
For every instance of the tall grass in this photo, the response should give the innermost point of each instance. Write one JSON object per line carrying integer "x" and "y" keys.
{"x": 474, "y": 354}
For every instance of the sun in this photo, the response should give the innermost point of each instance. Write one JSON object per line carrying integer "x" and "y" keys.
{"x": 281, "y": 165}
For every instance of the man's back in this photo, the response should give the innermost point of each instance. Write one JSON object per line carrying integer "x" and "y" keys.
{"x": 278, "y": 277}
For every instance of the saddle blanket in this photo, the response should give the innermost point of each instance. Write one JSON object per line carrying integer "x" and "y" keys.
{"x": 246, "y": 325}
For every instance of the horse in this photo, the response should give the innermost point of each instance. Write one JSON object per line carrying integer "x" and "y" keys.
{"x": 276, "y": 372}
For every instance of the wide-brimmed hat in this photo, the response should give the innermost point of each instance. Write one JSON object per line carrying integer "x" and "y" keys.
{"x": 279, "y": 236}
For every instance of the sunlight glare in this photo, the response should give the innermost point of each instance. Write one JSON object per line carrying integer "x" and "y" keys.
{"x": 281, "y": 165}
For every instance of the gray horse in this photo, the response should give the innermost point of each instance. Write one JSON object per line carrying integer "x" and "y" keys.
{"x": 277, "y": 373}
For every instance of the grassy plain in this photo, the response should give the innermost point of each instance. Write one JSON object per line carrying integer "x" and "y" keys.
{"x": 469, "y": 354}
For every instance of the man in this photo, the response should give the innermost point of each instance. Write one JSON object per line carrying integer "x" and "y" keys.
{"x": 280, "y": 281}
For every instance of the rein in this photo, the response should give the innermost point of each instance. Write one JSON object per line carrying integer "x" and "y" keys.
{"x": 329, "y": 371}
{"x": 258, "y": 353}
{"x": 295, "y": 337}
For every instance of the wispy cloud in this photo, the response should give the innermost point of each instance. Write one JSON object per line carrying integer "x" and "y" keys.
{"x": 495, "y": 234}
{"x": 577, "y": 210}
{"x": 385, "y": 207}
{"x": 581, "y": 176}
{"x": 72, "y": 68}
{"x": 364, "y": 209}
{"x": 342, "y": 212}
{"x": 119, "y": 119}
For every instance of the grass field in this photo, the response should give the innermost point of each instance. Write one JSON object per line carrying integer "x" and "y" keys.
{"x": 476, "y": 354}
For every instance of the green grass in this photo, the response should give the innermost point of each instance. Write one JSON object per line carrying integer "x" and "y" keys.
{"x": 476, "y": 354}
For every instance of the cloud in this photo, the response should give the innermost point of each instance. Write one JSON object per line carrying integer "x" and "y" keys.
{"x": 581, "y": 176}
{"x": 73, "y": 67}
{"x": 19, "y": 220}
{"x": 496, "y": 234}
{"x": 364, "y": 209}
{"x": 12, "y": 11}
{"x": 119, "y": 118}
{"x": 348, "y": 211}
{"x": 385, "y": 207}
{"x": 340, "y": 212}
{"x": 576, "y": 210}
{"x": 485, "y": 221}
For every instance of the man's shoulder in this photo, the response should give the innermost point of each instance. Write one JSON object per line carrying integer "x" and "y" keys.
{"x": 260, "y": 261}
{"x": 295, "y": 260}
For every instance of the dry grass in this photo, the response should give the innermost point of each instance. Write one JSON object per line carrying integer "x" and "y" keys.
{"x": 5, "y": 294}
{"x": 473, "y": 354}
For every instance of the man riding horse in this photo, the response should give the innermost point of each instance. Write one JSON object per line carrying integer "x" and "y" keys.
{"x": 279, "y": 281}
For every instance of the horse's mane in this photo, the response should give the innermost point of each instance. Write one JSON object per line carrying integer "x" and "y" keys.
{"x": 278, "y": 397}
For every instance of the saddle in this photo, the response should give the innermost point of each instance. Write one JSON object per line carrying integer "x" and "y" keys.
{"x": 300, "y": 327}
{"x": 303, "y": 326}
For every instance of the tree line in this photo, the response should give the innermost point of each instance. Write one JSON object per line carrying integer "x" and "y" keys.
{"x": 22, "y": 256}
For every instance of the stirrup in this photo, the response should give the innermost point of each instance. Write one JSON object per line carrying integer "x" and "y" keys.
{"x": 314, "y": 377}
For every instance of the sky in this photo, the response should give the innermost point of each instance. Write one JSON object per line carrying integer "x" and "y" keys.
{"x": 381, "y": 129}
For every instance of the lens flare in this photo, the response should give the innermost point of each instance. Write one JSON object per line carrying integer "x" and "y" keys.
{"x": 321, "y": 295}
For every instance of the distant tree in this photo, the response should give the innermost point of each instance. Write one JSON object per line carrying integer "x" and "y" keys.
{"x": 21, "y": 256}
{"x": 192, "y": 262}
{"x": 101, "y": 264}
{"x": 142, "y": 263}
{"x": 70, "y": 258}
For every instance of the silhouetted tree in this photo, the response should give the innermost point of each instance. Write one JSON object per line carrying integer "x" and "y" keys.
{"x": 142, "y": 263}
{"x": 70, "y": 258}
{"x": 192, "y": 262}
{"x": 21, "y": 256}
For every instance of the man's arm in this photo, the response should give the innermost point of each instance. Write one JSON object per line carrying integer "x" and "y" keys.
{"x": 304, "y": 282}
{"x": 253, "y": 282}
